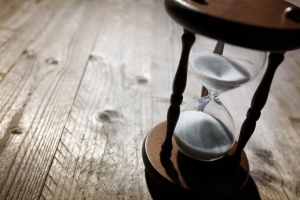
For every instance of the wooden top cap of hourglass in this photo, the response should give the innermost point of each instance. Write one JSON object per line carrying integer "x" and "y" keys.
{"x": 268, "y": 25}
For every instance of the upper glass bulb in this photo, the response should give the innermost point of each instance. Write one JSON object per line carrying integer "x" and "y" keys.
{"x": 227, "y": 70}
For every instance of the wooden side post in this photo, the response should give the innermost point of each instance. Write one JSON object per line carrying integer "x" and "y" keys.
{"x": 179, "y": 84}
{"x": 258, "y": 102}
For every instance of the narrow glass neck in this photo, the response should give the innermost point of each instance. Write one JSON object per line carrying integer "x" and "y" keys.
{"x": 213, "y": 95}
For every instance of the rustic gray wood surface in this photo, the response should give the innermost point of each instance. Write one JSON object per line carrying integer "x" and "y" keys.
{"x": 82, "y": 82}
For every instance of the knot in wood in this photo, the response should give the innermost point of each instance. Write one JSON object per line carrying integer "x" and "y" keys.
{"x": 51, "y": 61}
{"x": 16, "y": 130}
{"x": 142, "y": 79}
{"x": 176, "y": 100}
{"x": 108, "y": 115}
{"x": 253, "y": 115}
{"x": 29, "y": 53}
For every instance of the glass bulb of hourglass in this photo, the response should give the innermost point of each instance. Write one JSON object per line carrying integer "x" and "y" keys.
{"x": 205, "y": 130}
{"x": 218, "y": 73}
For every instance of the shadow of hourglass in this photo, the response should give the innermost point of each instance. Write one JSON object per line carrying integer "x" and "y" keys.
{"x": 203, "y": 171}
{"x": 204, "y": 180}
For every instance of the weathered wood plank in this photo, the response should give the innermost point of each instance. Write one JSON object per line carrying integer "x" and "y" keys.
{"x": 287, "y": 86}
{"x": 27, "y": 19}
{"x": 99, "y": 154}
{"x": 274, "y": 153}
{"x": 4, "y": 38}
{"x": 37, "y": 95}
{"x": 15, "y": 12}
{"x": 92, "y": 149}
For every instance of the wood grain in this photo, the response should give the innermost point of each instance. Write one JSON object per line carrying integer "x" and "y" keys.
{"x": 99, "y": 154}
{"x": 26, "y": 19}
{"x": 82, "y": 82}
{"x": 37, "y": 95}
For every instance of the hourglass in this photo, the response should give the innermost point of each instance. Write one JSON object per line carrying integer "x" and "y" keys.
{"x": 205, "y": 130}
{"x": 196, "y": 150}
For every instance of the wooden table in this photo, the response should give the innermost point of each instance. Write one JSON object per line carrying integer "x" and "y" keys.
{"x": 82, "y": 82}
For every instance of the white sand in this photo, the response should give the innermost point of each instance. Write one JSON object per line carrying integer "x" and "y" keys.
{"x": 201, "y": 136}
{"x": 217, "y": 72}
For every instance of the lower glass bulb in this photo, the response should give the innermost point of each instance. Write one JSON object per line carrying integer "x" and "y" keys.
{"x": 205, "y": 130}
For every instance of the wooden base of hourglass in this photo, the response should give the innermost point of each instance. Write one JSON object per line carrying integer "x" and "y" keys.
{"x": 190, "y": 177}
